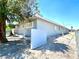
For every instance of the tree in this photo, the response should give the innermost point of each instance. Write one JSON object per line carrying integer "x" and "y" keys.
{"x": 12, "y": 9}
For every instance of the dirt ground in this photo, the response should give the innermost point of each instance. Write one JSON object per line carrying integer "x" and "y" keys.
{"x": 62, "y": 47}
{"x": 57, "y": 47}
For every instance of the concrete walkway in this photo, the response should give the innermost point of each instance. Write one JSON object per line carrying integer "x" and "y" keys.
{"x": 62, "y": 47}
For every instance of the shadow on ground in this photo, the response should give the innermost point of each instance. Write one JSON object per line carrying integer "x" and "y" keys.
{"x": 13, "y": 49}
{"x": 18, "y": 50}
{"x": 54, "y": 37}
{"x": 55, "y": 47}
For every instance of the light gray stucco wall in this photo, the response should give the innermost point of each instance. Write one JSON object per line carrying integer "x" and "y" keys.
{"x": 50, "y": 28}
{"x": 25, "y": 28}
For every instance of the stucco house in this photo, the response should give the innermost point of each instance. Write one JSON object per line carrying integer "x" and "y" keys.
{"x": 39, "y": 30}
{"x": 40, "y": 23}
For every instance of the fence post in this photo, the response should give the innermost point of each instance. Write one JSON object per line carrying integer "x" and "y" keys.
{"x": 77, "y": 42}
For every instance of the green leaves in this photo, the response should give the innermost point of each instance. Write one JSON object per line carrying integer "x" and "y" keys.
{"x": 19, "y": 8}
{"x": 3, "y": 8}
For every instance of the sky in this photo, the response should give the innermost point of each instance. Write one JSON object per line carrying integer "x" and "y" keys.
{"x": 63, "y": 12}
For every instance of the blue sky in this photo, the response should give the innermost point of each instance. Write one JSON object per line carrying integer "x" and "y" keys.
{"x": 64, "y": 12}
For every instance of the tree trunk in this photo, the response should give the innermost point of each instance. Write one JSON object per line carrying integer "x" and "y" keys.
{"x": 3, "y": 31}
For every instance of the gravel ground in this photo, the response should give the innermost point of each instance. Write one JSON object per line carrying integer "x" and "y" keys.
{"x": 58, "y": 47}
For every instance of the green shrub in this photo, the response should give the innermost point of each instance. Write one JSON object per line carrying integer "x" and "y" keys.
{"x": 9, "y": 27}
